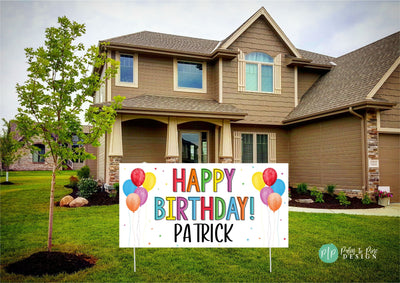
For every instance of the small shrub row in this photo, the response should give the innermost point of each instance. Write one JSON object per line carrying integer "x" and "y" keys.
{"x": 319, "y": 196}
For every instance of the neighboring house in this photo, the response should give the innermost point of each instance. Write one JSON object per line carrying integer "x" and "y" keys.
{"x": 35, "y": 161}
{"x": 255, "y": 97}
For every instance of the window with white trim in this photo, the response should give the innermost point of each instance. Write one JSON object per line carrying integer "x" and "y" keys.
{"x": 128, "y": 70}
{"x": 259, "y": 72}
{"x": 38, "y": 153}
{"x": 190, "y": 76}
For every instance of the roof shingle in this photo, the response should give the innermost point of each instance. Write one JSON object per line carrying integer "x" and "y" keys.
{"x": 350, "y": 81}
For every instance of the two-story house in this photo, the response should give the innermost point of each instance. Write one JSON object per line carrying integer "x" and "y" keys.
{"x": 255, "y": 97}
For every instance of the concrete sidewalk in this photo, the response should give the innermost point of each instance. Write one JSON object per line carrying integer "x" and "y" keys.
{"x": 392, "y": 210}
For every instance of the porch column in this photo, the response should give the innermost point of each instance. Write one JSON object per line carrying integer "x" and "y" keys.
{"x": 115, "y": 151}
{"x": 172, "y": 147}
{"x": 225, "y": 150}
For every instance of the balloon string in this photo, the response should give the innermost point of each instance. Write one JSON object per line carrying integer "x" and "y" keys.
{"x": 130, "y": 230}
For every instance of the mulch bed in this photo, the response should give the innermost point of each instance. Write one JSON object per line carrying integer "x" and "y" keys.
{"x": 98, "y": 198}
{"x": 330, "y": 202}
{"x": 51, "y": 263}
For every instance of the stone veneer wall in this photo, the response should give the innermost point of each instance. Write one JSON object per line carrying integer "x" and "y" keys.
{"x": 25, "y": 163}
{"x": 114, "y": 169}
{"x": 372, "y": 152}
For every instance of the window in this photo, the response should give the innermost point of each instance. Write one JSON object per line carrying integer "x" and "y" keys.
{"x": 38, "y": 153}
{"x": 259, "y": 72}
{"x": 194, "y": 147}
{"x": 190, "y": 76}
{"x": 76, "y": 146}
{"x": 254, "y": 148}
{"x": 128, "y": 70}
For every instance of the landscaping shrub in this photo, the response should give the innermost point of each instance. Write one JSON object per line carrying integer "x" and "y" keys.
{"x": 343, "y": 199}
{"x": 73, "y": 182}
{"x": 87, "y": 187}
{"x": 116, "y": 186}
{"x": 84, "y": 172}
{"x": 302, "y": 188}
{"x": 366, "y": 199}
{"x": 330, "y": 189}
{"x": 319, "y": 196}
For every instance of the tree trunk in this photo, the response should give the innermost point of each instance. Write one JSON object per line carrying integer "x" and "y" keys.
{"x": 53, "y": 185}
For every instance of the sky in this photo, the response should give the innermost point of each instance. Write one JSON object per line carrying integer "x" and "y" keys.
{"x": 329, "y": 27}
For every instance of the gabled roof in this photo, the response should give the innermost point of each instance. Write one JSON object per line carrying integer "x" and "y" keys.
{"x": 260, "y": 13}
{"x": 317, "y": 58}
{"x": 177, "y": 106}
{"x": 352, "y": 79}
{"x": 166, "y": 41}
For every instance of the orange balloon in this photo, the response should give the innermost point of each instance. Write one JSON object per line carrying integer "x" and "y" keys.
{"x": 133, "y": 202}
{"x": 274, "y": 201}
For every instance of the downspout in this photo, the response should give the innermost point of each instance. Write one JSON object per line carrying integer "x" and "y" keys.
{"x": 362, "y": 146}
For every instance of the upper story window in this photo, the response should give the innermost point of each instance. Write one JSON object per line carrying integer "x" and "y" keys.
{"x": 128, "y": 70}
{"x": 190, "y": 76}
{"x": 38, "y": 154}
{"x": 259, "y": 72}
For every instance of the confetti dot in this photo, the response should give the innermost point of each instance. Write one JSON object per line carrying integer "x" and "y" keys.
{"x": 160, "y": 236}
{"x": 243, "y": 184}
{"x": 149, "y": 243}
{"x": 280, "y": 219}
{"x": 151, "y": 229}
{"x": 281, "y": 173}
{"x": 251, "y": 228}
{"x": 248, "y": 239}
{"x": 124, "y": 224}
{"x": 259, "y": 238}
{"x": 251, "y": 217}
{"x": 284, "y": 239}
{"x": 166, "y": 184}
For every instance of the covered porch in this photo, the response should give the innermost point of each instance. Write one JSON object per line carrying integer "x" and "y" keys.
{"x": 157, "y": 129}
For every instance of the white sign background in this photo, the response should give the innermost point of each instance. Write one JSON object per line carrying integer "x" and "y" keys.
{"x": 260, "y": 227}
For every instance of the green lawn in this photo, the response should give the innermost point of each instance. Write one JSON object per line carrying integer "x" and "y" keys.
{"x": 94, "y": 231}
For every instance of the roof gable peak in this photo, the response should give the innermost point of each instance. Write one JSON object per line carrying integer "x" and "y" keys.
{"x": 262, "y": 12}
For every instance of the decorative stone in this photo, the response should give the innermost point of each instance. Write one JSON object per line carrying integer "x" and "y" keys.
{"x": 306, "y": 200}
{"x": 65, "y": 201}
{"x": 78, "y": 202}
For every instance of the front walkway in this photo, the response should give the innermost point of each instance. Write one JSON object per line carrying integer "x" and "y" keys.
{"x": 392, "y": 210}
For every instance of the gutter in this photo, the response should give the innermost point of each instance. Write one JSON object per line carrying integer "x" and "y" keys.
{"x": 363, "y": 153}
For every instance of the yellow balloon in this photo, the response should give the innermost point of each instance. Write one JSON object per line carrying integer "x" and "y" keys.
{"x": 258, "y": 181}
{"x": 149, "y": 181}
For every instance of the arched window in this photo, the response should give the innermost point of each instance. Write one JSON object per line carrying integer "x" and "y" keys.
{"x": 259, "y": 72}
{"x": 38, "y": 153}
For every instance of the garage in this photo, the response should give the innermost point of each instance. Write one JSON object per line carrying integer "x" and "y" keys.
{"x": 389, "y": 156}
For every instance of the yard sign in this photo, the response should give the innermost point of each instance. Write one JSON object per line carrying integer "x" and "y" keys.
{"x": 203, "y": 205}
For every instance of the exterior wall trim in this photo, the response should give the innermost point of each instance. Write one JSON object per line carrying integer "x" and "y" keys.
{"x": 383, "y": 79}
{"x": 385, "y": 130}
{"x": 249, "y": 22}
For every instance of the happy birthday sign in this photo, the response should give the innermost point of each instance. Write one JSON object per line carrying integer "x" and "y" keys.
{"x": 203, "y": 205}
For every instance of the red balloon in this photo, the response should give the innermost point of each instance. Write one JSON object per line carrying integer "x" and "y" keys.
{"x": 133, "y": 202}
{"x": 270, "y": 176}
{"x": 274, "y": 201}
{"x": 138, "y": 176}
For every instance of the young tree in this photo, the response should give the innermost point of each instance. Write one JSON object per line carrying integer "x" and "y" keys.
{"x": 9, "y": 146}
{"x": 61, "y": 78}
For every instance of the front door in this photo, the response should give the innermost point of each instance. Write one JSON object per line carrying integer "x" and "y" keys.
{"x": 194, "y": 146}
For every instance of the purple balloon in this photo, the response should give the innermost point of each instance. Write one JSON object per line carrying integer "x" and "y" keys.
{"x": 142, "y": 192}
{"x": 264, "y": 194}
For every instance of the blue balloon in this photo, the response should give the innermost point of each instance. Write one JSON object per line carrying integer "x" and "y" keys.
{"x": 128, "y": 187}
{"x": 279, "y": 187}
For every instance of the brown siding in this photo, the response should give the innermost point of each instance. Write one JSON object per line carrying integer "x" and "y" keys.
{"x": 262, "y": 108}
{"x": 143, "y": 141}
{"x": 92, "y": 163}
{"x": 156, "y": 77}
{"x": 390, "y": 91}
{"x": 306, "y": 79}
{"x": 282, "y": 138}
{"x": 327, "y": 152}
{"x": 389, "y": 162}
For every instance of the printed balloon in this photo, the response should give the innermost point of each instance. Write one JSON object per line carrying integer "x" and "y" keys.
{"x": 279, "y": 187}
{"x": 133, "y": 202}
{"x": 149, "y": 181}
{"x": 258, "y": 181}
{"x": 269, "y": 176}
{"x": 142, "y": 192}
{"x": 274, "y": 201}
{"x": 128, "y": 187}
{"x": 264, "y": 194}
{"x": 137, "y": 177}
